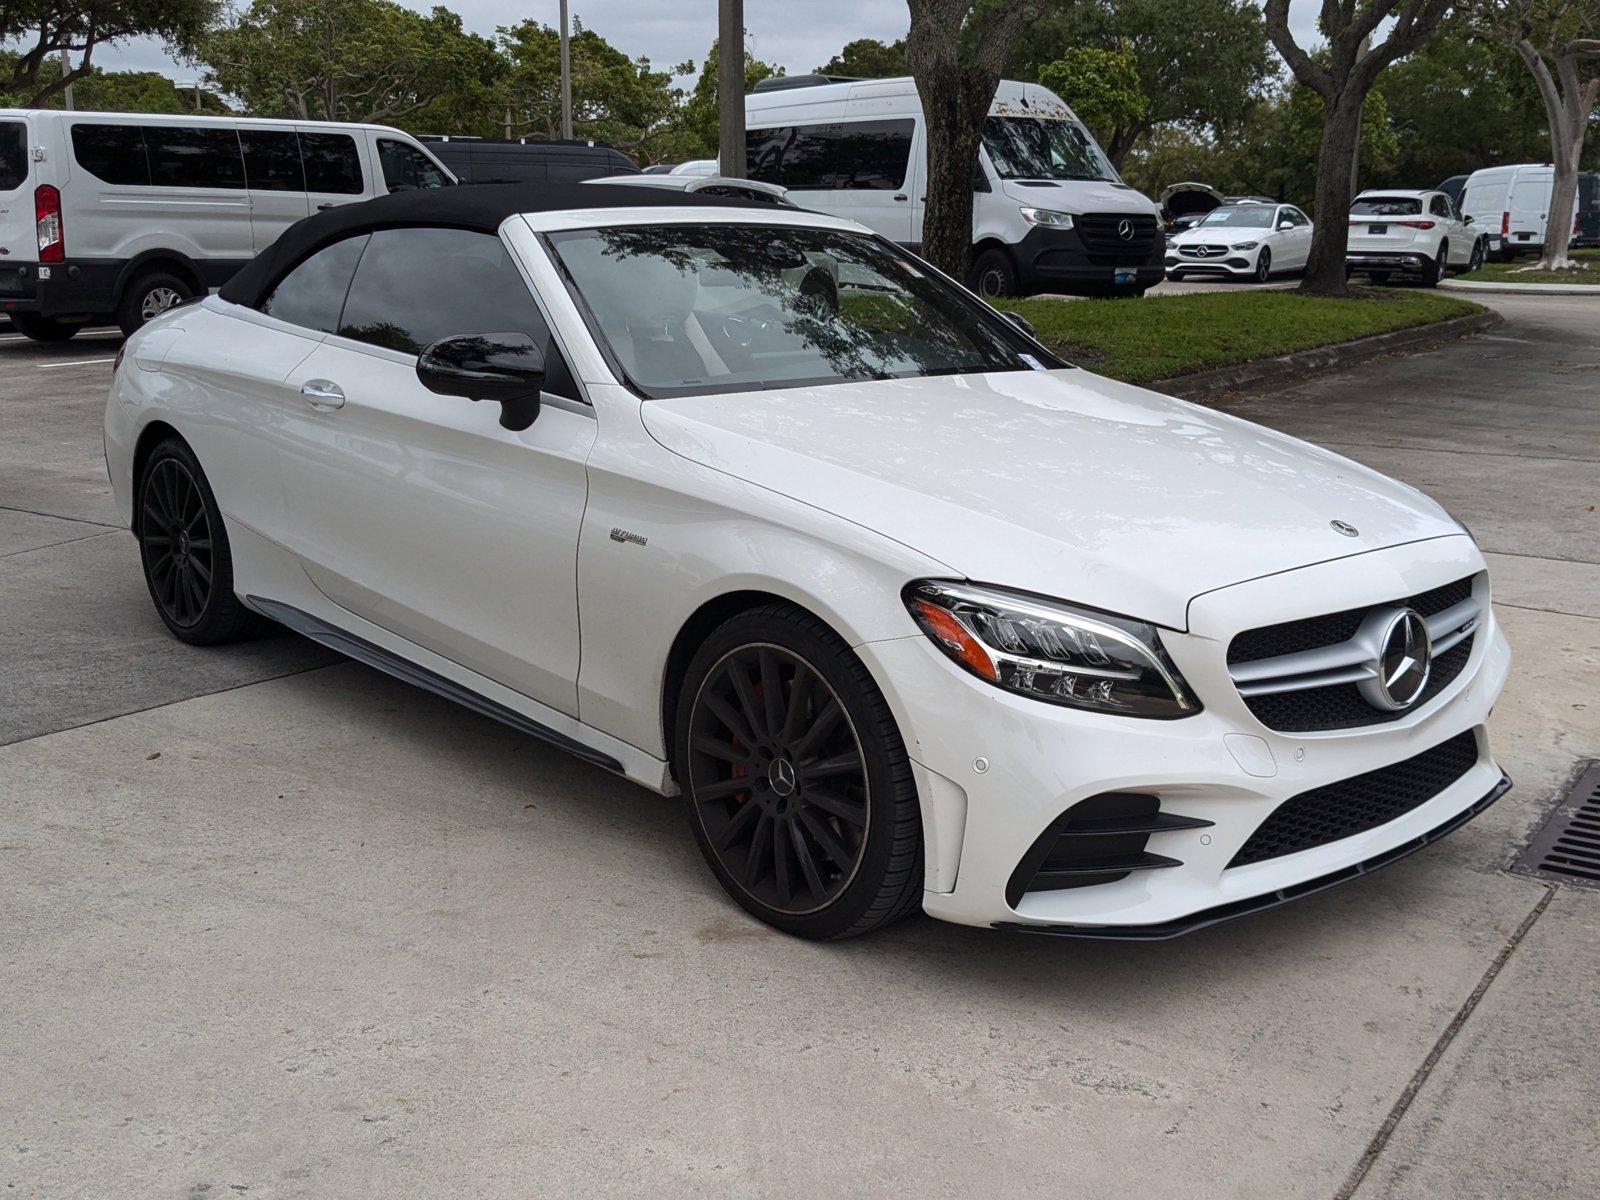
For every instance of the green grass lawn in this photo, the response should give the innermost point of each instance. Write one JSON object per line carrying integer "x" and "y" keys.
{"x": 1162, "y": 336}
{"x": 1517, "y": 272}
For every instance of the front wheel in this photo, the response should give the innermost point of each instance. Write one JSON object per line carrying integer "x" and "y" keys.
{"x": 797, "y": 784}
{"x": 993, "y": 275}
{"x": 1264, "y": 266}
{"x": 188, "y": 565}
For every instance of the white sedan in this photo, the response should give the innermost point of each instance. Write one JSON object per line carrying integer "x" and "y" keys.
{"x": 1242, "y": 241}
{"x": 913, "y": 614}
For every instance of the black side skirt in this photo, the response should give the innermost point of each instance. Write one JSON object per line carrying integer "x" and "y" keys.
{"x": 1240, "y": 908}
{"x": 387, "y": 661}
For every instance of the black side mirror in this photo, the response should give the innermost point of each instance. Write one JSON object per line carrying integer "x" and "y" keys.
{"x": 1467, "y": 219}
{"x": 1022, "y": 323}
{"x": 507, "y": 367}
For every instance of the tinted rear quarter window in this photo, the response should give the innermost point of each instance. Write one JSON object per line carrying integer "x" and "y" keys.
{"x": 112, "y": 153}
{"x": 13, "y": 155}
{"x": 272, "y": 160}
{"x": 193, "y": 156}
{"x": 313, "y": 294}
{"x": 332, "y": 164}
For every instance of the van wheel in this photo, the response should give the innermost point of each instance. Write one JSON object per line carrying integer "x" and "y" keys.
{"x": 147, "y": 297}
{"x": 993, "y": 275}
{"x": 43, "y": 329}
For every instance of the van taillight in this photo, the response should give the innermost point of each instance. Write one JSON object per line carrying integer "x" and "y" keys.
{"x": 47, "y": 219}
{"x": 1505, "y": 224}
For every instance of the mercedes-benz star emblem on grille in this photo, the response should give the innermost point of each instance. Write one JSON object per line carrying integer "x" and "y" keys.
{"x": 1201, "y": 251}
{"x": 1345, "y": 528}
{"x": 1403, "y": 659}
{"x": 1125, "y": 230}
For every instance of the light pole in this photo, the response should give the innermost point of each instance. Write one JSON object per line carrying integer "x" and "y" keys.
{"x": 566, "y": 77}
{"x": 66, "y": 69}
{"x": 730, "y": 87}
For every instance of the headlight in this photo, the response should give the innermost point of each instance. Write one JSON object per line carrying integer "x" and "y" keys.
{"x": 1050, "y": 650}
{"x": 1246, "y": 245}
{"x": 1048, "y": 217}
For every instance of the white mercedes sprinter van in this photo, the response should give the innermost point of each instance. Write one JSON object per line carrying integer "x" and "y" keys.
{"x": 123, "y": 215}
{"x": 1511, "y": 204}
{"x": 1049, "y": 212}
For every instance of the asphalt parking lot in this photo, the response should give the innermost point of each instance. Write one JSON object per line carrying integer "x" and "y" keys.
{"x": 277, "y": 926}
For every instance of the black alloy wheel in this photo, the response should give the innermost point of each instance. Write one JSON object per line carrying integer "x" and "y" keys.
{"x": 184, "y": 547}
{"x": 1476, "y": 261}
{"x": 1264, "y": 266}
{"x": 798, "y": 787}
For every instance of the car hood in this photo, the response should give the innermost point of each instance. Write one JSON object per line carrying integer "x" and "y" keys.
{"x": 1074, "y": 196}
{"x": 1056, "y": 482}
{"x": 1218, "y": 235}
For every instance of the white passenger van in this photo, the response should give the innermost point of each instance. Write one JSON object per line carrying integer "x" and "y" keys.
{"x": 1049, "y": 212}
{"x": 123, "y": 215}
{"x": 1511, "y": 205}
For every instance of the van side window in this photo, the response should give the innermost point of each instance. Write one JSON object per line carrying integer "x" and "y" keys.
{"x": 405, "y": 168}
{"x": 841, "y": 154}
{"x": 332, "y": 164}
{"x": 312, "y": 294}
{"x": 272, "y": 160}
{"x": 13, "y": 155}
{"x": 415, "y": 286}
{"x": 193, "y": 156}
{"x": 112, "y": 153}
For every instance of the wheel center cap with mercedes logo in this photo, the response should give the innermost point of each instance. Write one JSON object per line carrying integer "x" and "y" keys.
{"x": 1402, "y": 660}
{"x": 781, "y": 776}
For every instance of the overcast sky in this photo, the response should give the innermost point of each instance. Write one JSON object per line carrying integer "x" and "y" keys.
{"x": 799, "y": 35}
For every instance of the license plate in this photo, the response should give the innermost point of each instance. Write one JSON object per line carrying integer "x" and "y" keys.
{"x": 1125, "y": 275}
{"x": 1377, "y": 229}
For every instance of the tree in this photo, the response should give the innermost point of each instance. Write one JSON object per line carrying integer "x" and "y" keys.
{"x": 1342, "y": 75}
{"x": 700, "y": 109}
{"x": 1559, "y": 41}
{"x": 121, "y": 91}
{"x": 341, "y": 60}
{"x": 41, "y": 29}
{"x": 1200, "y": 62}
{"x": 616, "y": 99}
{"x": 1100, "y": 86}
{"x": 868, "y": 58}
{"x": 956, "y": 50}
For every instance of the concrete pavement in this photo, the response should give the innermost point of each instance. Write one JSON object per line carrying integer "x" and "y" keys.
{"x": 275, "y": 927}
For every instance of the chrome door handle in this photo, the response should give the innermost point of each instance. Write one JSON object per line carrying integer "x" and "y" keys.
{"x": 321, "y": 393}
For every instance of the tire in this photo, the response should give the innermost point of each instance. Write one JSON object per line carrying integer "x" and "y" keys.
{"x": 1436, "y": 268}
{"x": 1476, "y": 259}
{"x": 1263, "y": 271}
{"x": 183, "y": 546}
{"x": 44, "y": 329}
{"x": 148, "y": 296}
{"x": 993, "y": 275}
{"x": 827, "y": 780}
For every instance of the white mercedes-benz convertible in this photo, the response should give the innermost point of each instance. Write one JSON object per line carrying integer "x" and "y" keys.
{"x": 750, "y": 504}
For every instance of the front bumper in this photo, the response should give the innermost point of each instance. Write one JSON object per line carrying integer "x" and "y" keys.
{"x": 1233, "y": 262}
{"x": 1056, "y": 260}
{"x": 1222, "y": 765}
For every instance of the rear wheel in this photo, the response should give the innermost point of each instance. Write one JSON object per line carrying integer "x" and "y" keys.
{"x": 1476, "y": 260}
{"x": 795, "y": 777}
{"x": 188, "y": 565}
{"x": 1435, "y": 269}
{"x": 44, "y": 329}
{"x": 147, "y": 297}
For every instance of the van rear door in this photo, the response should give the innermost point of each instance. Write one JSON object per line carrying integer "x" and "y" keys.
{"x": 17, "y": 235}
{"x": 1530, "y": 206}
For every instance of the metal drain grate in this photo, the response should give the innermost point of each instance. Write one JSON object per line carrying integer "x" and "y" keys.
{"x": 1567, "y": 848}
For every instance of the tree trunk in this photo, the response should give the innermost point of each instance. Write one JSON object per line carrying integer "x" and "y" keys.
{"x": 1341, "y": 131}
{"x": 1566, "y": 146}
{"x": 955, "y": 102}
{"x": 1122, "y": 141}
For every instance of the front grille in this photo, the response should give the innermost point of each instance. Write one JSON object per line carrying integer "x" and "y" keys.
{"x": 1100, "y": 235}
{"x": 1351, "y": 806}
{"x": 1209, "y": 251}
{"x": 1341, "y": 706}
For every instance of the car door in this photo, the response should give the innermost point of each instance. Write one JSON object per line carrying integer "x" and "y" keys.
{"x": 1459, "y": 245}
{"x": 420, "y": 512}
{"x": 1300, "y": 236}
{"x": 276, "y": 181}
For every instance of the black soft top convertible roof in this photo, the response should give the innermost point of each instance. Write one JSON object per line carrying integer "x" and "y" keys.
{"x": 482, "y": 207}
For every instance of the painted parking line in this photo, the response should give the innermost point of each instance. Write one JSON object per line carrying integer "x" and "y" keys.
{"x": 77, "y": 362}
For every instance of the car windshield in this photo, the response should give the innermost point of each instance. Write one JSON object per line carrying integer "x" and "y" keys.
{"x": 1386, "y": 206}
{"x": 1036, "y": 148}
{"x": 13, "y": 155}
{"x": 695, "y": 309}
{"x": 1245, "y": 216}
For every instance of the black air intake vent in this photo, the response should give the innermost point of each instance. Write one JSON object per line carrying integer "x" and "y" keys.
{"x": 1098, "y": 840}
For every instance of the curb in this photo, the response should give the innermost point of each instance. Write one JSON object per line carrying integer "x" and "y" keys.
{"x": 1514, "y": 289}
{"x": 1266, "y": 373}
